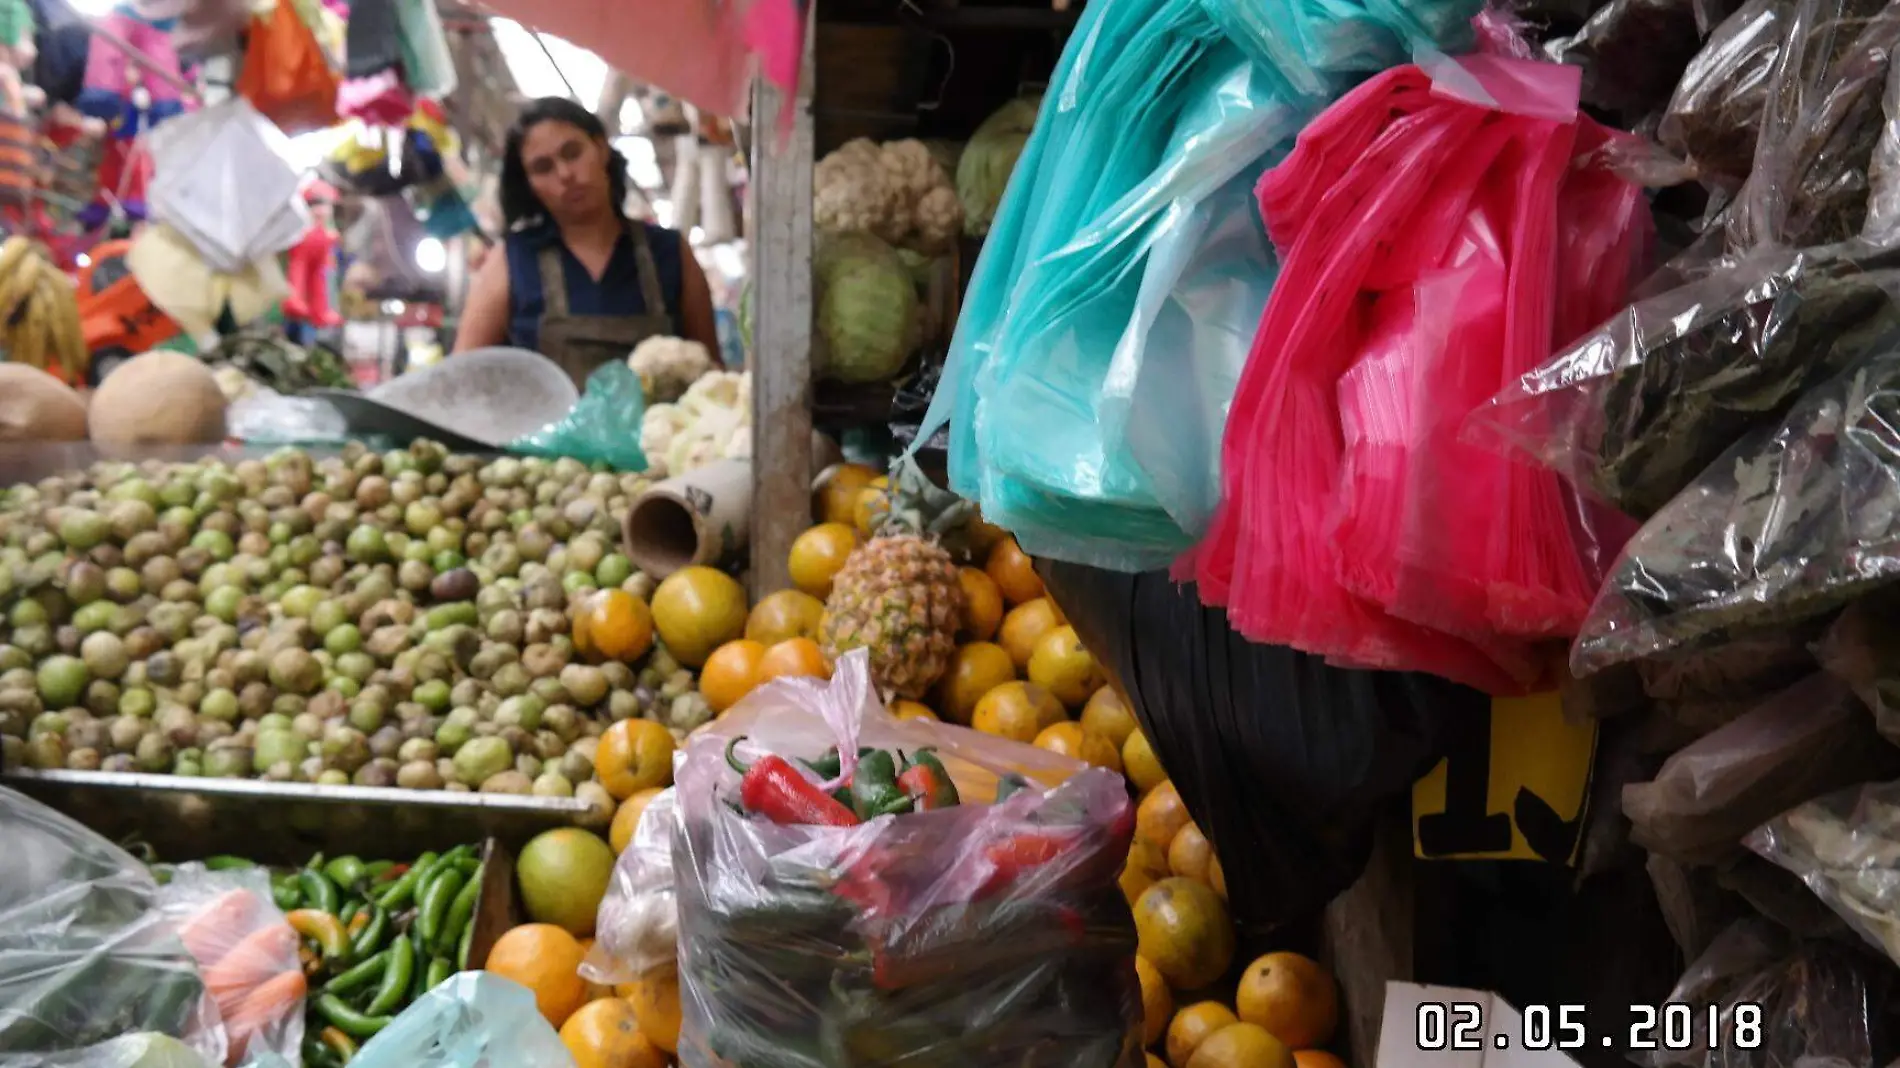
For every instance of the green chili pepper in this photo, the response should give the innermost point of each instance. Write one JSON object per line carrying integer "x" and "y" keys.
{"x": 347, "y": 1020}
{"x": 432, "y": 906}
{"x": 227, "y": 863}
{"x": 1008, "y": 785}
{"x": 319, "y": 892}
{"x": 316, "y": 1054}
{"x": 439, "y": 971}
{"x": 338, "y": 1043}
{"x": 399, "y": 892}
{"x": 325, "y": 930}
{"x": 344, "y": 871}
{"x": 461, "y": 947}
{"x": 828, "y": 766}
{"x": 286, "y": 896}
{"x": 314, "y": 863}
{"x": 396, "y": 979}
{"x": 461, "y": 911}
{"x": 360, "y": 976}
{"x": 371, "y": 938}
{"x": 874, "y": 785}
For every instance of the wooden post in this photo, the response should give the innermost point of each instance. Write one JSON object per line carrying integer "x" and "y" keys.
{"x": 1368, "y": 934}
{"x": 782, "y": 324}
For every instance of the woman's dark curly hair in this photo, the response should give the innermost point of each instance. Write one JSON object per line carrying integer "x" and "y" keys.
{"x": 518, "y": 203}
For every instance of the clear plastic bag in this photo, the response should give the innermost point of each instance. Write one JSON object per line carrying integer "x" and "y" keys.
{"x": 85, "y": 953}
{"x": 146, "y": 1049}
{"x": 603, "y": 427}
{"x": 1862, "y": 649}
{"x": 1846, "y": 848}
{"x": 1155, "y": 107}
{"x": 267, "y": 417}
{"x": 1633, "y": 52}
{"x": 991, "y": 933}
{"x": 1714, "y": 116}
{"x": 638, "y": 932}
{"x": 1811, "y": 1003}
{"x": 246, "y": 954}
{"x": 1804, "y": 741}
{"x": 472, "y": 1019}
{"x": 1794, "y": 521}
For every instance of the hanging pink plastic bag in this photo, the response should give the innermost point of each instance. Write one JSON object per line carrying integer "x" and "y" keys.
{"x": 968, "y": 932}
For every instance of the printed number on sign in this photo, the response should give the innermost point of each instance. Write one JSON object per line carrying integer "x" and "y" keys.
{"x": 1514, "y": 784}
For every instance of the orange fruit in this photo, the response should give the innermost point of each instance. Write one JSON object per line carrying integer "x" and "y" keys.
{"x": 1106, "y": 715}
{"x": 982, "y": 604}
{"x": 784, "y": 615}
{"x": 834, "y": 493}
{"x": 1069, "y": 739}
{"x": 1016, "y": 710}
{"x": 627, "y": 818}
{"x": 1140, "y": 764}
{"x": 1024, "y": 626}
{"x": 1292, "y": 997}
{"x": 1217, "y": 877}
{"x": 1316, "y": 1058}
{"x": 1061, "y": 664}
{"x": 545, "y": 959}
{"x": 1241, "y": 1045}
{"x": 632, "y": 755}
{"x": 562, "y": 875}
{"x": 656, "y": 1001}
{"x": 975, "y": 669}
{"x": 614, "y": 625}
{"x": 1013, "y": 571}
{"x": 1136, "y": 878}
{"x": 698, "y": 609}
{"x": 796, "y": 657}
{"x": 730, "y": 673}
{"x": 1161, "y": 815}
{"x": 818, "y": 555}
{"x": 903, "y": 709}
{"x": 606, "y": 1034}
{"x": 1157, "y": 1003}
{"x": 983, "y": 535}
{"x": 1190, "y": 855}
{"x": 1191, "y": 1026}
{"x": 1183, "y": 927}
{"x": 873, "y": 504}
{"x": 1154, "y": 1061}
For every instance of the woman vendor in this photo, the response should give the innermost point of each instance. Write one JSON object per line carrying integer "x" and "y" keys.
{"x": 578, "y": 281}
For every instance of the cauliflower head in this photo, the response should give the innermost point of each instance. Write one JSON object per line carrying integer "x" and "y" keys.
{"x": 668, "y": 365}
{"x": 851, "y": 192}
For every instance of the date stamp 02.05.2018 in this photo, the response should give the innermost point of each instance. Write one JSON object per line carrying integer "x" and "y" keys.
{"x": 1455, "y": 1025}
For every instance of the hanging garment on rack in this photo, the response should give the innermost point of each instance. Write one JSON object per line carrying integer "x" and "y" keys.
{"x": 112, "y": 75}
{"x": 378, "y": 100}
{"x": 63, "y": 40}
{"x": 374, "y": 39}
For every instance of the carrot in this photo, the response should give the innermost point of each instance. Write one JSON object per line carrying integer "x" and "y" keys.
{"x": 265, "y": 952}
{"x": 270, "y": 1002}
{"x": 213, "y": 929}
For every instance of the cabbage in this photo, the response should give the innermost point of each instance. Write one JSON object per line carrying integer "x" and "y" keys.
{"x": 983, "y": 170}
{"x": 866, "y": 302}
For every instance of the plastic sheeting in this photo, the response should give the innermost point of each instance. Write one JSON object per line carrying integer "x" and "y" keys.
{"x": 1124, "y": 236}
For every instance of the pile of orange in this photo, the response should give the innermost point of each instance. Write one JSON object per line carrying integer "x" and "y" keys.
{"x": 634, "y": 1025}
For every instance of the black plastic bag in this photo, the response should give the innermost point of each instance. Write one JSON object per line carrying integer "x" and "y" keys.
{"x": 1283, "y": 760}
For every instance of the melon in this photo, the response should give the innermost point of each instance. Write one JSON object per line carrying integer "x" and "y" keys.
{"x": 160, "y": 398}
{"x": 35, "y": 406}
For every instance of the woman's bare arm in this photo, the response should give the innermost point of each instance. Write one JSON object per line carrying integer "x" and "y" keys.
{"x": 485, "y": 311}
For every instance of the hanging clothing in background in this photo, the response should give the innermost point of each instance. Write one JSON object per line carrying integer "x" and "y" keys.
{"x": 427, "y": 64}
{"x": 286, "y": 76}
{"x": 111, "y": 75}
{"x": 63, "y": 41}
{"x": 374, "y": 89}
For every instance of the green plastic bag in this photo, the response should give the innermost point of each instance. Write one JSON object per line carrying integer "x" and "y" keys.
{"x": 603, "y": 426}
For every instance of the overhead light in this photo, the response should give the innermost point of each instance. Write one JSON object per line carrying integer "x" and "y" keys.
{"x": 431, "y": 256}
{"x": 697, "y": 236}
{"x": 663, "y": 212}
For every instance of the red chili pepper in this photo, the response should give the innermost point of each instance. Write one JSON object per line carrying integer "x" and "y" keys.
{"x": 925, "y": 785}
{"x": 772, "y": 788}
{"x": 1026, "y": 850}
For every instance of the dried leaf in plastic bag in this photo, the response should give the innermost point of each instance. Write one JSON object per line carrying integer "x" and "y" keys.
{"x": 1810, "y": 1001}
{"x": 1797, "y": 744}
{"x": 1633, "y": 51}
{"x": 1714, "y": 116}
{"x": 1846, "y": 847}
{"x": 1793, "y": 522}
{"x": 1862, "y": 649}
{"x": 85, "y": 953}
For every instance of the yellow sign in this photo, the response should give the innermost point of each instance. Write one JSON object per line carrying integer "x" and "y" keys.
{"x": 1514, "y": 785}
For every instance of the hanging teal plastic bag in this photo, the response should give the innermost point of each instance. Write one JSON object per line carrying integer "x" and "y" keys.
{"x": 1119, "y": 287}
{"x": 473, "y": 1019}
{"x": 602, "y": 428}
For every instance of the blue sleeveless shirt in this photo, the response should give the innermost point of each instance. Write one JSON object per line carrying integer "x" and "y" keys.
{"x": 617, "y": 293}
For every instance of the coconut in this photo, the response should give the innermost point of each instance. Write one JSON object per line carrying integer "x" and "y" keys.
{"x": 35, "y": 406}
{"x": 160, "y": 398}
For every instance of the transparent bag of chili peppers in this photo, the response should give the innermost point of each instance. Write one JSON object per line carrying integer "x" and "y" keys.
{"x": 874, "y": 892}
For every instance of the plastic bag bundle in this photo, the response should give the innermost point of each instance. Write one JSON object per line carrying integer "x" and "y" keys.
{"x": 959, "y": 933}
{"x": 1807, "y": 740}
{"x": 246, "y": 953}
{"x": 1112, "y": 306}
{"x": 86, "y": 955}
{"x": 473, "y": 1018}
{"x": 1436, "y": 247}
{"x": 1639, "y": 407}
{"x": 1796, "y": 1003}
{"x": 1844, "y": 847}
{"x": 1794, "y": 521}
{"x": 602, "y": 427}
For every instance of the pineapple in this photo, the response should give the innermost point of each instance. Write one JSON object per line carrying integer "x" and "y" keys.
{"x": 897, "y": 595}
